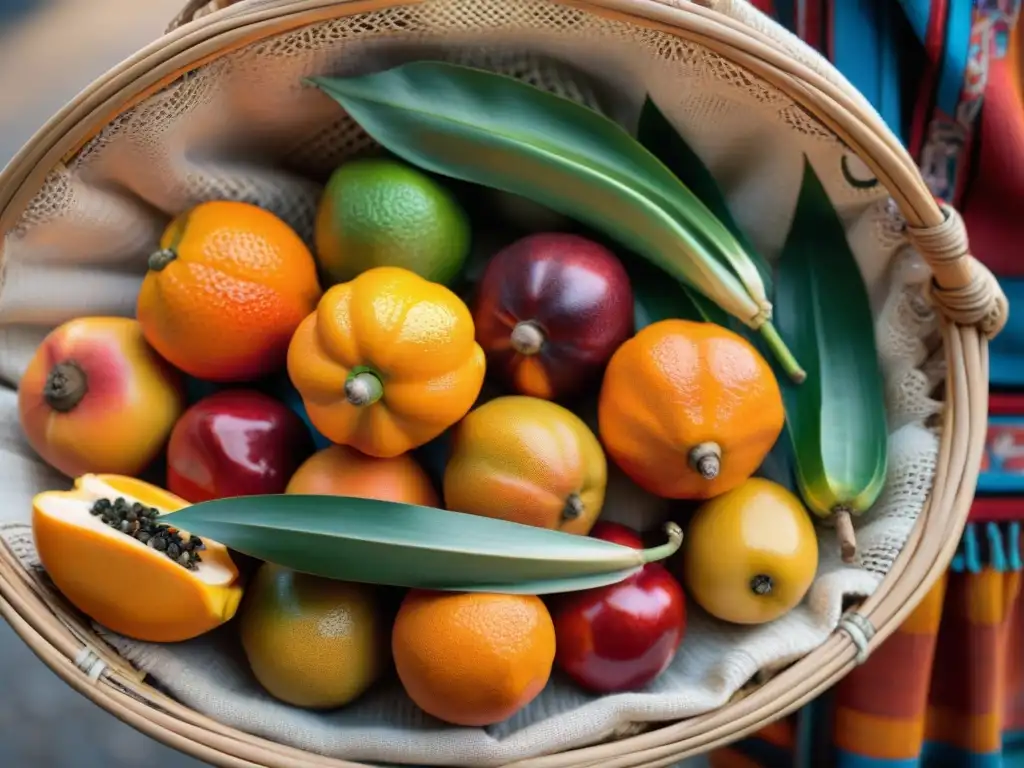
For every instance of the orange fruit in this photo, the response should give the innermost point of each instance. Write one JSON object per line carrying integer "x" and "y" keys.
{"x": 343, "y": 471}
{"x": 527, "y": 460}
{"x": 387, "y": 362}
{"x": 226, "y": 291}
{"x": 689, "y": 410}
{"x": 472, "y": 659}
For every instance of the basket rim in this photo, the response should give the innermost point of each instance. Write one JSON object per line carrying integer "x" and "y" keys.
{"x": 63, "y": 641}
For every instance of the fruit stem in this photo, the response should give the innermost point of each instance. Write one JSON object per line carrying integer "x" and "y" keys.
{"x": 160, "y": 259}
{"x": 573, "y": 508}
{"x": 845, "y": 533}
{"x": 675, "y": 540}
{"x": 761, "y": 585}
{"x": 65, "y": 386}
{"x": 706, "y": 458}
{"x": 363, "y": 388}
{"x": 782, "y": 354}
{"x": 527, "y": 338}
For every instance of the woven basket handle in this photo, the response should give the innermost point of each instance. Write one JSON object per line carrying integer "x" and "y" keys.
{"x": 962, "y": 287}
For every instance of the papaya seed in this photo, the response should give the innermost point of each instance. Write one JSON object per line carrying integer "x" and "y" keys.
{"x": 140, "y": 522}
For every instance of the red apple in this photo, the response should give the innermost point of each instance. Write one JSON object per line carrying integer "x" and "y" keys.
{"x": 620, "y": 637}
{"x": 235, "y": 443}
{"x": 550, "y": 311}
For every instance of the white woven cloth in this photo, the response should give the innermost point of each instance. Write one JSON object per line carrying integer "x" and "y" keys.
{"x": 242, "y": 128}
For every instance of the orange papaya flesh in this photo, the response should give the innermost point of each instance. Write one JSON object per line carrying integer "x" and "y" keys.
{"x": 128, "y": 586}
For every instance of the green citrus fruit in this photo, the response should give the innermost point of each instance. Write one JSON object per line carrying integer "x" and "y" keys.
{"x": 382, "y": 212}
{"x": 313, "y": 642}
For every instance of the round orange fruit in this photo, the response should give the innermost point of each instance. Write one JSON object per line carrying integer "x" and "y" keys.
{"x": 689, "y": 410}
{"x": 473, "y": 659}
{"x": 226, "y": 291}
{"x": 343, "y": 471}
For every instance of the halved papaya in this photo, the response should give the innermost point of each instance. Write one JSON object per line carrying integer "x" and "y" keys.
{"x": 97, "y": 544}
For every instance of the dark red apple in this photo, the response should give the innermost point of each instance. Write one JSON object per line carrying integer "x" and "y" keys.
{"x": 549, "y": 312}
{"x": 235, "y": 443}
{"x": 620, "y": 637}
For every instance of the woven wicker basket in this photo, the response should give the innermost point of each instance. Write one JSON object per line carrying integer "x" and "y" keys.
{"x": 964, "y": 292}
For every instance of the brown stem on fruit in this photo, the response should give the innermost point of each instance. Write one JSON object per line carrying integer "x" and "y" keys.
{"x": 527, "y": 338}
{"x": 65, "y": 386}
{"x": 160, "y": 259}
{"x": 573, "y": 508}
{"x": 761, "y": 585}
{"x": 363, "y": 388}
{"x": 845, "y": 533}
{"x": 706, "y": 459}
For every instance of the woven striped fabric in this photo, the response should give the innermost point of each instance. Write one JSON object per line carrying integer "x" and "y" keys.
{"x": 947, "y": 689}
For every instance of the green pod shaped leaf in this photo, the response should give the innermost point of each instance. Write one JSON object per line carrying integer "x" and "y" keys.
{"x": 837, "y": 418}
{"x": 403, "y": 545}
{"x": 658, "y": 135}
{"x": 494, "y": 130}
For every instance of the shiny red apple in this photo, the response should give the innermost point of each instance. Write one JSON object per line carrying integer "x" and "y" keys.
{"x": 620, "y": 637}
{"x": 550, "y": 311}
{"x": 235, "y": 443}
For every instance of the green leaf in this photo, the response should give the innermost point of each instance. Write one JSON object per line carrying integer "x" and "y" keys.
{"x": 658, "y": 296}
{"x": 658, "y": 135}
{"x": 494, "y": 130}
{"x": 403, "y": 545}
{"x": 837, "y": 418}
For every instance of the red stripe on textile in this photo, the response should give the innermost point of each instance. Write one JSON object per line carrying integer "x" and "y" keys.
{"x": 934, "y": 43}
{"x": 894, "y": 681}
{"x": 970, "y": 658}
{"x": 1013, "y": 701}
{"x": 809, "y": 15}
{"x": 765, "y": 6}
{"x": 827, "y": 29}
{"x": 991, "y": 208}
{"x": 997, "y": 509}
{"x": 1004, "y": 404}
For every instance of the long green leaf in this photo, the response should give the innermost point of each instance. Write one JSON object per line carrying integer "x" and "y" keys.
{"x": 837, "y": 419}
{"x": 658, "y": 135}
{"x": 402, "y": 545}
{"x": 494, "y": 130}
{"x": 658, "y": 296}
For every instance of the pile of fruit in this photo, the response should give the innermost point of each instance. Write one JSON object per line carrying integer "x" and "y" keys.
{"x": 228, "y": 441}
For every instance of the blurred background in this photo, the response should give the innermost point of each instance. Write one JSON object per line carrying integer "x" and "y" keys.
{"x": 49, "y": 51}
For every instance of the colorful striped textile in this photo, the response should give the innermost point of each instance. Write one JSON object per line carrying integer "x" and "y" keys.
{"x": 947, "y": 689}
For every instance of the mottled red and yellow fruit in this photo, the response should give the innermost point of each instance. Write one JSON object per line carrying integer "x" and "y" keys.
{"x": 124, "y": 584}
{"x": 97, "y": 398}
{"x": 529, "y": 461}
